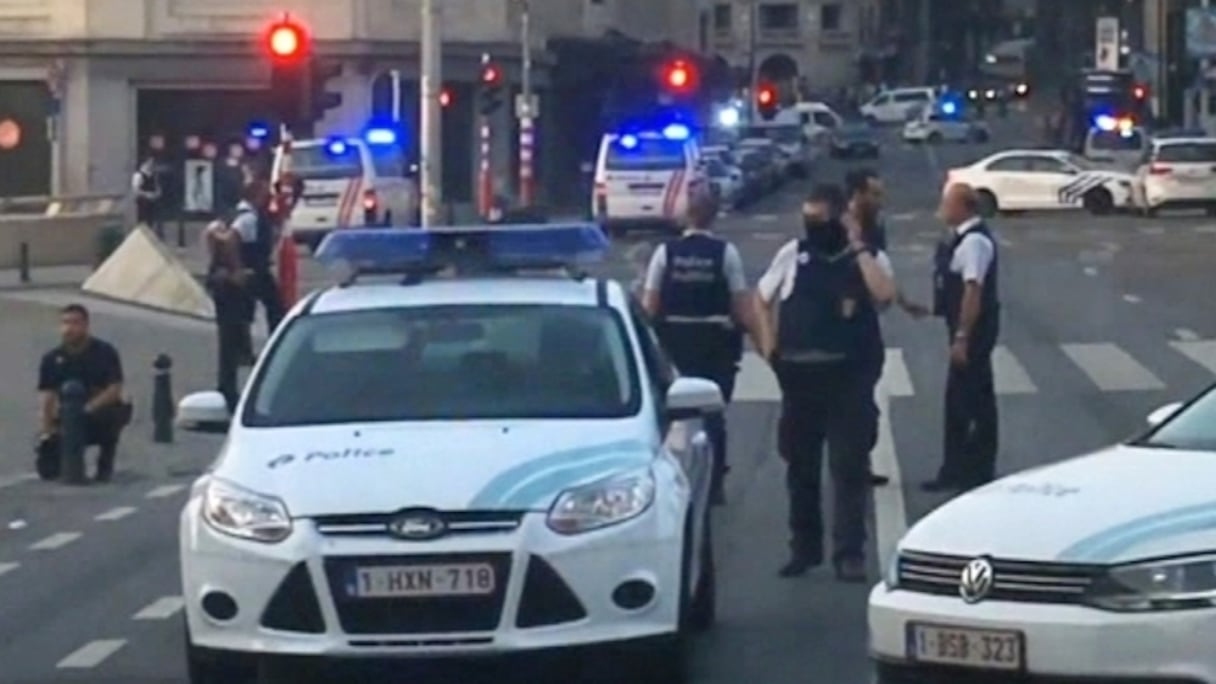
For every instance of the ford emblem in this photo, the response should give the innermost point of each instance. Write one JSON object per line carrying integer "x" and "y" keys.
{"x": 418, "y": 527}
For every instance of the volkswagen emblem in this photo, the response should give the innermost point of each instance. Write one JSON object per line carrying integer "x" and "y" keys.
{"x": 418, "y": 526}
{"x": 975, "y": 582}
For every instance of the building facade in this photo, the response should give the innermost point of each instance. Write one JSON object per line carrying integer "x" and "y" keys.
{"x": 818, "y": 43}
{"x": 91, "y": 83}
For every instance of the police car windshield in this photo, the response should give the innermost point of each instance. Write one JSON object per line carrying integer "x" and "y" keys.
{"x": 1115, "y": 141}
{"x": 1194, "y": 428}
{"x": 323, "y": 162}
{"x": 447, "y": 363}
{"x": 1188, "y": 153}
{"x": 649, "y": 154}
{"x": 782, "y": 135}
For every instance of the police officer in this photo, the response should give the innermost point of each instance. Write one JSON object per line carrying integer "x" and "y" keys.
{"x": 226, "y": 283}
{"x": 818, "y": 325}
{"x": 696, "y": 291}
{"x": 965, "y": 294}
{"x": 255, "y": 225}
{"x": 145, "y": 186}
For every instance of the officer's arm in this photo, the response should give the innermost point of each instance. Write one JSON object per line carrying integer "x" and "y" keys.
{"x": 878, "y": 281}
{"x": 976, "y": 256}
{"x": 741, "y": 301}
{"x": 653, "y": 281}
{"x": 48, "y": 397}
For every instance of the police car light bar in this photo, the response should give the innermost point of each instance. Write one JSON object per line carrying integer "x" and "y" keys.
{"x": 381, "y": 136}
{"x": 486, "y": 249}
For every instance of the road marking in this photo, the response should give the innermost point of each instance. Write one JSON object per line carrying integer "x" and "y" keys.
{"x": 1201, "y": 352}
{"x": 1152, "y": 230}
{"x": 1131, "y": 299}
{"x": 1205, "y": 229}
{"x": 768, "y": 236}
{"x": 1090, "y": 271}
{"x": 895, "y": 375}
{"x": 1111, "y": 368}
{"x": 161, "y": 609}
{"x": 91, "y": 654}
{"x": 1010, "y": 377}
{"x": 756, "y": 381}
{"x": 1186, "y": 335}
{"x": 115, "y": 514}
{"x": 905, "y": 216}
{"x": 890, "y": 511}
{"x": 1004, "y": 242}
{"x": 767, "y": 218}
{"x": 164, "y": 491}
{"x": 14, "y": 480}
{"x": 6, "y": 568}
{"x": 55, "y": 541}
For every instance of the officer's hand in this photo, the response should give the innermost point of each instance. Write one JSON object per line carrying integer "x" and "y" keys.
{"x": 958, "y": 353}
{"x": 853, "y": 227}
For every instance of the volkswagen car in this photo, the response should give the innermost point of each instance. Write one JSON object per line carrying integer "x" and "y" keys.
{"x": 452, "y": 466}
{"x": 1096, "y": 569}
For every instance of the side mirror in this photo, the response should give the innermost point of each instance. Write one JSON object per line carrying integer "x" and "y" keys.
{"x": 204, "y": 412}
{"x": 1163, "y": 414}
{"x": 692, "y": 398}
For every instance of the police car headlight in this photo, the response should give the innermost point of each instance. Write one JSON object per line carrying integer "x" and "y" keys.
{"x": 600, "y": 504}
{"x": 238, "y": 512}
{"x": 890, "y": 576}
{"x": 1175, "y": 584}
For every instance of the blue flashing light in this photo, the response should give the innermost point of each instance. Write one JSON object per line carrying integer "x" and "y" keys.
{"x": 381, "y": 136}
{"x": 949, "y": 107}
{"x": 488, "y": 248}
{"x": 628, "y": 141}
{"x": 336, "y": 147}
{"x": 1106, "y": 122}
{"x": 676, "y": 131}
{"x": 259, "y": 131}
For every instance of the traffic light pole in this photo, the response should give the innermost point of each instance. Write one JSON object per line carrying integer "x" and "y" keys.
{"x": 526, "y": 138}
{"x": 485, "y": 178}
{"x": 431, "y": 138}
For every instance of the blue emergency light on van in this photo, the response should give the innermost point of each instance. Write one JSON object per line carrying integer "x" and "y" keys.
{"x": 467, "y": 248}
{"x": 381, "y": 136}
{"x": 259, "y": 131}
{"x": 336, "y": 147}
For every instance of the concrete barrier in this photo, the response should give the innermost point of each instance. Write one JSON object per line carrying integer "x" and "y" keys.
{"x": 63, "y": 240}
{"x": 143, "y": 271}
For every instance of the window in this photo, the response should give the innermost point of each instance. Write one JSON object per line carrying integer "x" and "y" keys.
{"x": 1188, "y": 153}
{"x": 1193, "y": 428}
{"x": 722, "y": 17}
{"x": 830, "y": 17}
{"x": 321, "y": 162}
{"x": 650, "y": 154}
{"x": 824, "y": 119}
{"x": 912, "y": 96}
{"x": 1047, "y": 165}
{"x": 464, "y": 362}
{"x": 783, "y": 17}
{"x": 1014, "y": 164}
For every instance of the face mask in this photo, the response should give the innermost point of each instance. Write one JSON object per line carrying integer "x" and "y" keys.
{"x": 823, "y": 236}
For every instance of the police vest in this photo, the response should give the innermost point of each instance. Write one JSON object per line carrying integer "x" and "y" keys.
{"x": 695, "y": 323}
{"x": 948, "y": 287}
{"x": 147, "y": 183}
{"x": 829, "y": 315}
{"x": 256, "y": 255}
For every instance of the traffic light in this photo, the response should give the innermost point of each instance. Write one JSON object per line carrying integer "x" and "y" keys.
{"x": 445, "y": 97}
{"x": 1139, "y": 93}
{"x": 491, "y": 88}
{"x": 766, "y": 101}
{"x": 288, "y": 47}
{"x": 680, "y": 77}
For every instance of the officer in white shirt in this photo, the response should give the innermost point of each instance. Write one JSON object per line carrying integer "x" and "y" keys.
{"x": 817, "y": 323}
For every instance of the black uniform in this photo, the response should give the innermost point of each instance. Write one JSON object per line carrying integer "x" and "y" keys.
{"x": 233, "y": 320}
{"x": 96, "y": 366}
{"x": 971, "y": 421}
{"x": 257, "y": 255}
{"x": 828, "y": 341}
{"x": 147, "y": 209}
{"x": 696, "y": 326}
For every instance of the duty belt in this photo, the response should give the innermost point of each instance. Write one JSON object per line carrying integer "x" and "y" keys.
{"x": 724, "y": 321}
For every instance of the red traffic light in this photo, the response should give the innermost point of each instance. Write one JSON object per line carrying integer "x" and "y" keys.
{"x": 680, "y": 76}
{"x": 286, "y": 40}
{"x": 445, "y": 97}
{"x": 766, "y": 96}
{"x": 491, "y": 74}
{"x": 1139, "y": 92}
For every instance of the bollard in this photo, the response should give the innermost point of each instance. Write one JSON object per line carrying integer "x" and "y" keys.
{"x": 23, "y": 262}
{"x": 162, "y": 400}
{"x": 181, "y": 232}
{"x": 72, "y": 397}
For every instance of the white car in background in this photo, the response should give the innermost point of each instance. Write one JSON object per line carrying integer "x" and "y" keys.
{"x": 933, "y": 127}
{"x": 1096, "y": 569}
{"x": 896, "y": 105}
{"x": 726, "y": 181}
{"x": 1022, "y": 180}
{"x": 1179, "y": 173}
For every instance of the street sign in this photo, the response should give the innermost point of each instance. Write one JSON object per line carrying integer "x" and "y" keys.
{"x": 527, "y": 107}
{"x": 1106, "y": 48}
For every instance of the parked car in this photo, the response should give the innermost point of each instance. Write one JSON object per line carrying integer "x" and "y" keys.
{"x": 855, "y": 140}
{"x": 726, "y": 181}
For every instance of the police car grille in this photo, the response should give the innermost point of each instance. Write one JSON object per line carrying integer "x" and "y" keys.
{"x": 1020, "y": 581}
{"x": 458, "y": 523}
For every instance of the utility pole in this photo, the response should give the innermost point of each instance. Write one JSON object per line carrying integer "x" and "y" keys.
{"x": 753, "y": 77}
{"x": 431, "y": 149}
{"x": 526, "y": 113}
{"x": 1205, "y": 91}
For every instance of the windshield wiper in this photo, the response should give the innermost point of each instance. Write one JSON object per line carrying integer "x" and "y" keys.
{"x": 1149, "y": 444}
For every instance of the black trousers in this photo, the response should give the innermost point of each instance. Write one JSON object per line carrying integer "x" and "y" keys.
{"x": 264, "y": 289}
{"x": 102, "y": 429}
{"x": 827, "y": 405}
{"x": 970, "y": 437}
{"x": 722, "y": 373}
{"x": 233, "y": 318}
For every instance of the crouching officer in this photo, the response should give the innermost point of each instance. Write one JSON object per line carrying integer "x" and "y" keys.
{"x": 818, "y": 326}
{"x": 696, "y": 291}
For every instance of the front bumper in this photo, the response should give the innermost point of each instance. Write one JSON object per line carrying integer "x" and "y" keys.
{"x": 1063, "y": 643}
{"x": 552, "y": 591}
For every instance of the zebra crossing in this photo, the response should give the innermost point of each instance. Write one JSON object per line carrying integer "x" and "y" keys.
{"x": 1105, "y": 367}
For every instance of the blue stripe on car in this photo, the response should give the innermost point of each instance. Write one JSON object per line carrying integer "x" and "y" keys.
{"x": 540, "y": 492}
{"x": 507, "y": 481}
{"x": 1108, "y": 543}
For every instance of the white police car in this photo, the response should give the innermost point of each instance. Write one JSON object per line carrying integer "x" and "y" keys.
{"x": 1029, "y": 179}
{"x": 440, "y": 466}
{"x": 1100, "y": 568}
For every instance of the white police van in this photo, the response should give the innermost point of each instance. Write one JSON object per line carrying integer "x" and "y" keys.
{"x": 1096, "y": 569}
{"x": 453, "y": 466}
{"x": 349, "y": 183}
{"x": 646, "y": 178}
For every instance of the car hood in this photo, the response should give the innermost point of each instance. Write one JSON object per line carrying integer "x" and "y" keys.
{"x": 1120, "y": 504}
{"x": 481, "y": 465}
